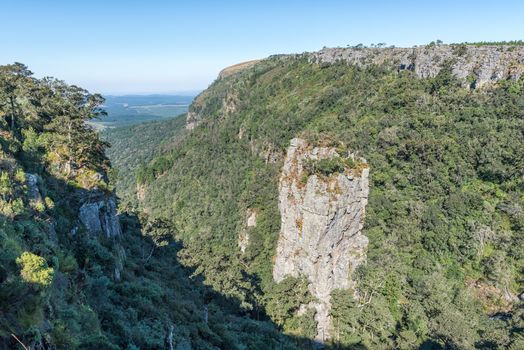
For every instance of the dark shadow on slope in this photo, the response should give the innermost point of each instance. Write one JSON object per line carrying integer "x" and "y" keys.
{"x": 221, "y": 319}
{"x": 140, "y": 296}
{"x": 215, "y": 311}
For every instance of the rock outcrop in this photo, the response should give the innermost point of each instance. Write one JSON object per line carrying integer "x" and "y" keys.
{"x": 192, "y": 120}
{"x": 321, "y": 226}
{"x": 230, "y": 103}
{"x": 100, "y": 216}
{"x": 475, "y": 65}
{"x": 33, "y": 192}
{"x": 243, "y": 237}
{"x": 140, "y": 192}
{"x": 251, "y": 220}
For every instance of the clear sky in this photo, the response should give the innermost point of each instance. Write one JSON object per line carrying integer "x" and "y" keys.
{"x": 161, "y": 46}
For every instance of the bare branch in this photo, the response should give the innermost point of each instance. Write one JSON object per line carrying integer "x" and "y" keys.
{"x": 18, "y": 340}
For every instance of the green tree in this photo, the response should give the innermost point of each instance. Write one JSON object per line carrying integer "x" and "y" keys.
{"x": 14, "y": 85}
{"x": 34, "y": 269}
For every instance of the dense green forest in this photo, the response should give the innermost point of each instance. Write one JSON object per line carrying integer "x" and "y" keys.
{"x": 63, "y": 286}
{"x": 445, "y": 217}
{"x": 132, "y": 146}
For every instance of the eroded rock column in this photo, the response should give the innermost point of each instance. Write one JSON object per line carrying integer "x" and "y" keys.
{"x": 321, "y": 229}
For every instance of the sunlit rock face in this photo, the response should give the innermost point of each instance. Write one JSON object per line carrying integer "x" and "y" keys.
{"x": 243, "y": 238}
{"x": 321, "y": 226}
{"x": 192, "y": 120}
{"x": 476, "y": 66}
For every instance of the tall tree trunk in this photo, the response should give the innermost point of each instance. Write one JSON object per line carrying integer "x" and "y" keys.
{"x": 13, "y": 114}
{"x": 170, "y": 337}
{"x": 69, "y": 164}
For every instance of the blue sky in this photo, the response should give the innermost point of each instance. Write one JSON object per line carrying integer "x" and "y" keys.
{"x": 165, "y": 46}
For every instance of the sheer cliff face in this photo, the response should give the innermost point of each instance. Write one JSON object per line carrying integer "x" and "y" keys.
{"x": 475, "y": 65}
{"x": 321, "y": 229}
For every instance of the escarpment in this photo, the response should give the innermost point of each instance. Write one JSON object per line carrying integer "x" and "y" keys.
{"x": 322, "y": 217}
{"x": 474, "y": 65}
{"x": 225, "y": 97}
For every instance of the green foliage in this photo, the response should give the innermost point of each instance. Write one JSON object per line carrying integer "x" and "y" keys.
{"x": 5, "y": 184}
{"x": 132, "y": 146}
{"x": 286, "y": 298}
{"x": 34, "y": 269}
{"x": 368, "y": 324}
{"x": 328, "y": 166}
{"x": 446, "y": 193}
{"x": 325, "y": 166}
{"x": 63, "y": 288}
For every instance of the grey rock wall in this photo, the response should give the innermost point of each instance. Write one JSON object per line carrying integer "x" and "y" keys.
{"x": 101, "y": 216}
{"x": 479, "y": 65}
{"x": 33, "y": 191}
{"x": 321, "y": 227}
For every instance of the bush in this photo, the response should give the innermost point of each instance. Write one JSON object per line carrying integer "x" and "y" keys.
{"x": 34, "y": 269}
{"x": 325, "y": 166}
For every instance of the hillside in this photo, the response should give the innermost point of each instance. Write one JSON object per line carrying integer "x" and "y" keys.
{"x": 368, "y": 198}
{"x": 236, "y": 68}
{"x": 135, "y": 145}
{"x": 75, "y": 273}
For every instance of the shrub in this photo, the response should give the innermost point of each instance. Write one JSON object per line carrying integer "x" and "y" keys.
{"x": 325, "y": 166}
{"x": 34, "y": 269}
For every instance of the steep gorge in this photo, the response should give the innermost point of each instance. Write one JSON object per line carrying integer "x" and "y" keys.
{"x": 75, "y": 271}
{"x": 272, "y": 211}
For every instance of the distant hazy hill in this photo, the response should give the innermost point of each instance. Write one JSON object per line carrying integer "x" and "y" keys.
{"x": 133, "y": 109}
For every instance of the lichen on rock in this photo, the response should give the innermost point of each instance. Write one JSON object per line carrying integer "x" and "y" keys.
{"x": 321, "y": 225}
